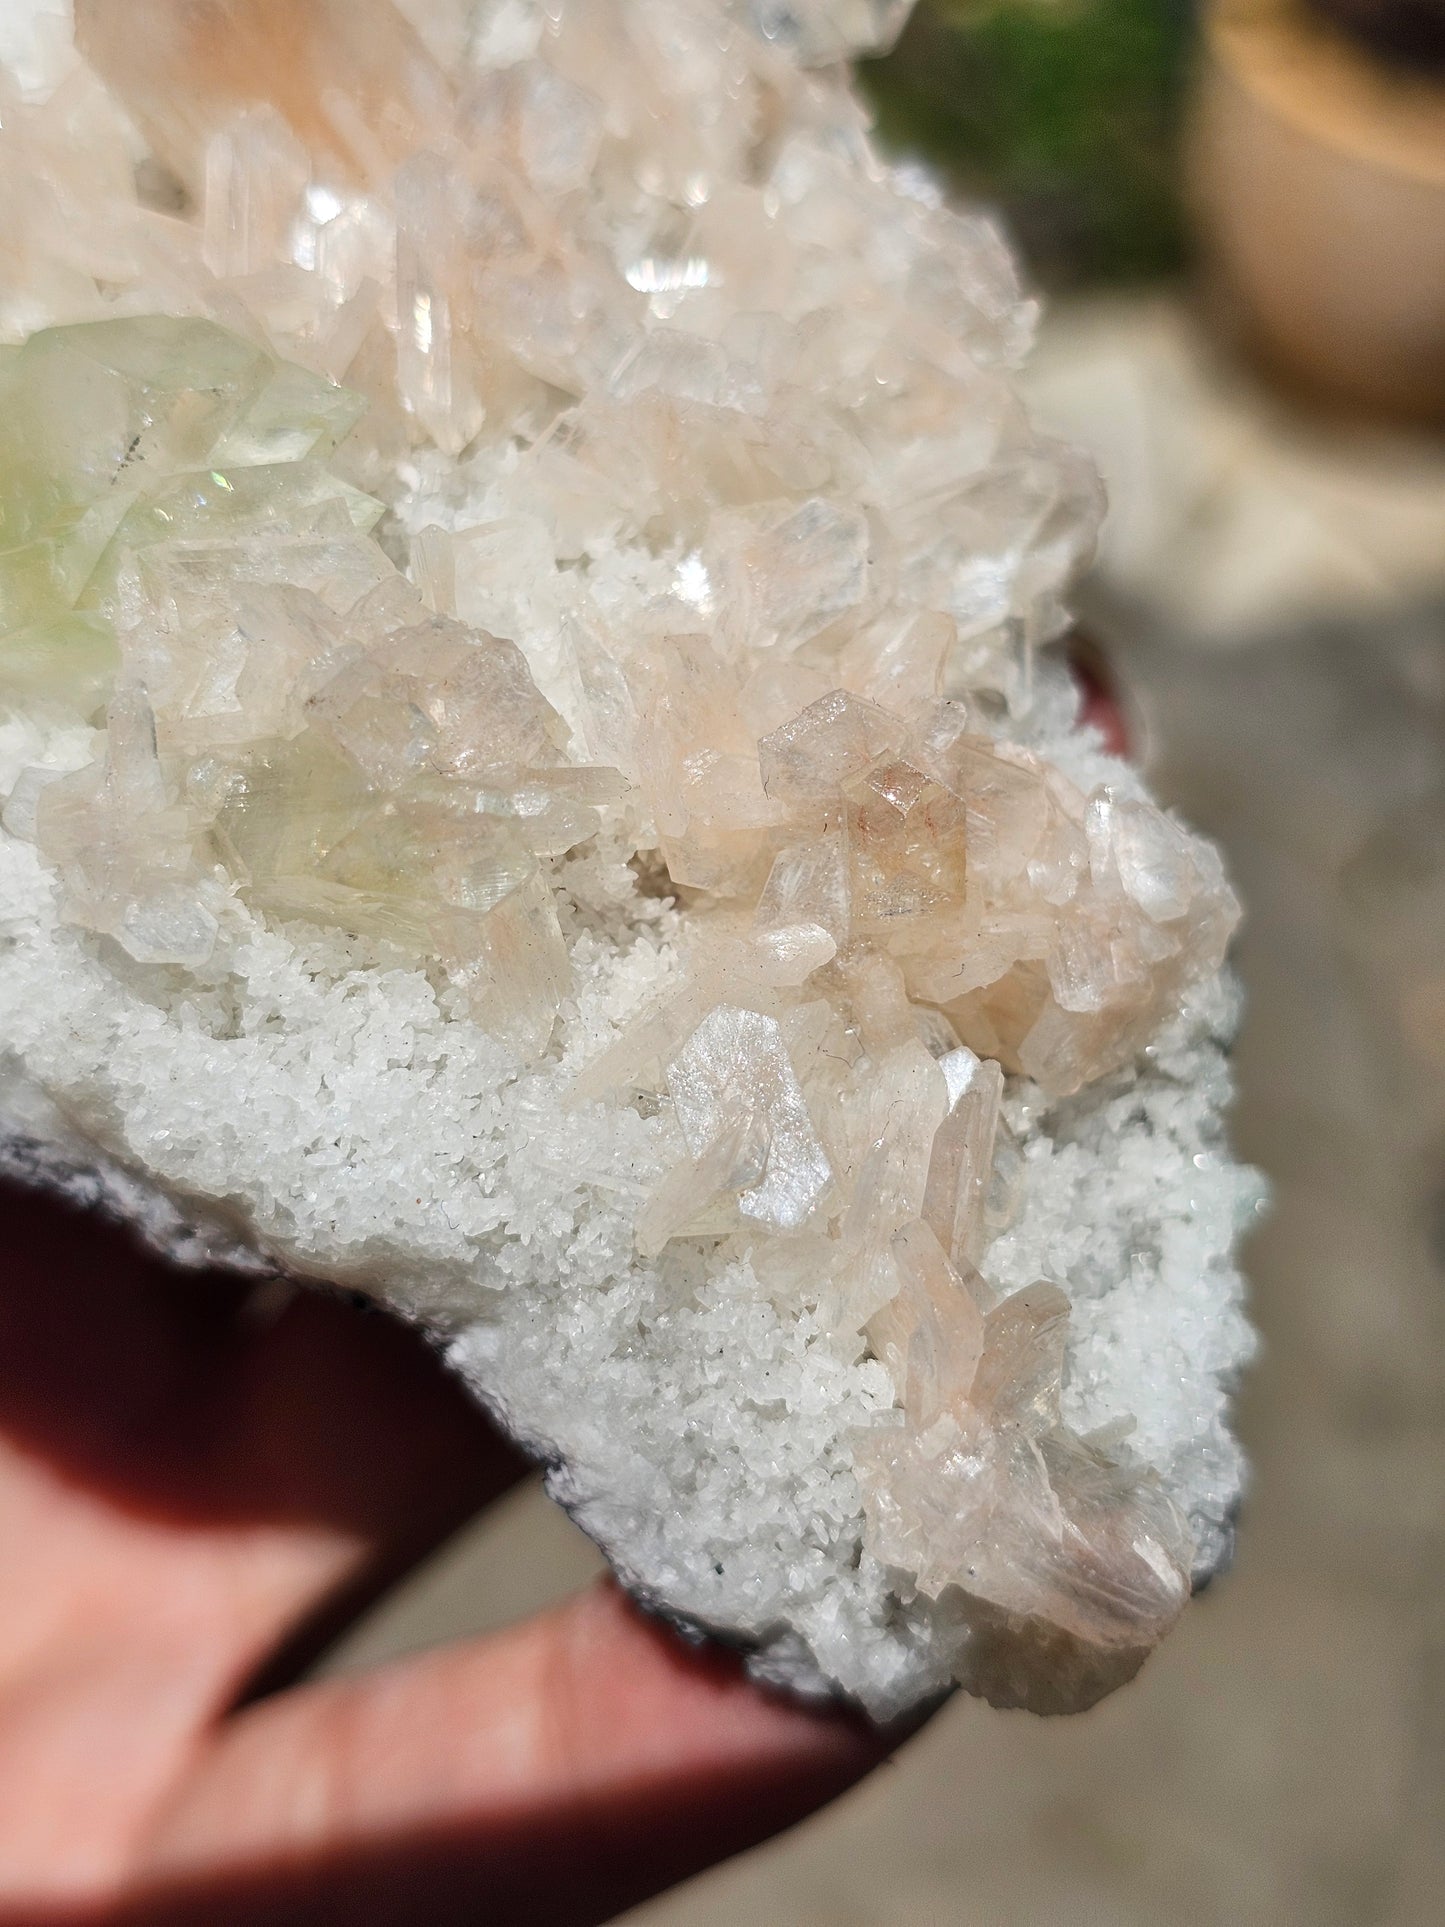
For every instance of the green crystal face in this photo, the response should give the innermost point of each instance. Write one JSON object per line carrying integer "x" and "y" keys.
{"x": 116, "y": 435}
{"x": 285, "y": 719}
{"x": 68, "y": 655}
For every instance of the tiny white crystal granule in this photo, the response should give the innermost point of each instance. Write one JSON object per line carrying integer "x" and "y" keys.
{"x": 534, "y": 786}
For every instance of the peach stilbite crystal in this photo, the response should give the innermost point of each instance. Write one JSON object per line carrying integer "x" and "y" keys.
{"x": 985, "y": 1490}
{"x": 529, "y": 501}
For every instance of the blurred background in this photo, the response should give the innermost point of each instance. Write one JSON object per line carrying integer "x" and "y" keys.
{"x": 1238, "y": 212}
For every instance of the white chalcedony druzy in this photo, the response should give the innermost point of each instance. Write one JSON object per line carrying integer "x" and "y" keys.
{"x": 535, "y": 787}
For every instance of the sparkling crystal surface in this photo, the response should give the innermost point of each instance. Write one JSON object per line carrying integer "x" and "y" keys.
{"x": 729, "y": 553}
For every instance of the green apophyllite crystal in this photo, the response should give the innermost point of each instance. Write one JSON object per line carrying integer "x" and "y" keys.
{"x": 116, "y": 436}
{"x": 70, "y": 657}
{"x": 284, "y": 716}
{"x": 232, "y": 507}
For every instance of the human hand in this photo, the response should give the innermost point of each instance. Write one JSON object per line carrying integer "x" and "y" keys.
{"x": 192, "y": 1501}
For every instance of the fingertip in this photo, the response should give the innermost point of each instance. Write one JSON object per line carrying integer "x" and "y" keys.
{"x": 668, "y": 1679}
{"x": 1100, "y": 707}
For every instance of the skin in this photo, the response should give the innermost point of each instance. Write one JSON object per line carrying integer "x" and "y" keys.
{"x": 201, "y": 1484}
{"x": 194, "y": 1496}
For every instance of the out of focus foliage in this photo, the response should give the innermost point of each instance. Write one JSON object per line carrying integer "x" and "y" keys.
{"x": 1065, "y": 113}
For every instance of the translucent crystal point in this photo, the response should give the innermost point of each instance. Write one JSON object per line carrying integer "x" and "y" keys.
{"x": 734, "y": 1090}
{"x": 354, "y": 81}
{"x": 125, "y": 846}
{"x": 984, "y": 1490}
{"x": 808, "y": 887}
{"x": 809, "y": 762}
{"x": 786, "y": 575}
{"x": 438, "y": 698}
{"x": 960, "y": 1171}
{"x": 908, "y": 851}
{"x": 931, "y": 1334}
{"x": 892, "y": 1109}
{"x": 257, "y": 177}
{"x": 439, "y": 359}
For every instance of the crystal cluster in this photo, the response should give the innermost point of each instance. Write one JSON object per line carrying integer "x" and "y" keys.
{"x": 728, "y": 548}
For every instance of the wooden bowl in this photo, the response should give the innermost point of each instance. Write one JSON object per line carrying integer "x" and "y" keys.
{"x": 1318, "y": 175}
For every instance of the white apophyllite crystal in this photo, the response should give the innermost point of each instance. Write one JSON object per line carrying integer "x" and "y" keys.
{"x": 521, "y": 609}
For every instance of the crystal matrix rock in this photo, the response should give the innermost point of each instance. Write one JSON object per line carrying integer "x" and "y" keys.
{"x": 525, "y": 593}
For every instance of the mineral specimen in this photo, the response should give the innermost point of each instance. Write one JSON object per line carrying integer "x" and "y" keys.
{"x": 524, "y": 588}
